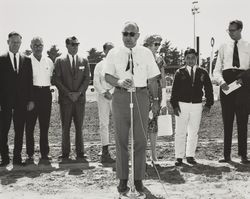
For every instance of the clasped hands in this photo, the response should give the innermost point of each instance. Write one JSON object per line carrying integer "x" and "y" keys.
{"x": 125, "y": 83}
{"x": 73, "y": 96}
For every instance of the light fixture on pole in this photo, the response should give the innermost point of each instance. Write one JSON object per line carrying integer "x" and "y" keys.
{"x": 195, "y": 10}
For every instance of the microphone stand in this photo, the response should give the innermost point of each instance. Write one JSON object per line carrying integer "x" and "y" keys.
{"x": 132, "y": 194}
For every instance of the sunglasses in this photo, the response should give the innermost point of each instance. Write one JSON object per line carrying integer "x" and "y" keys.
{"x": 74, "y": 44}
{"x": 131, "y": 34}
{"x": 231, "y": 30}
{"x": 157, "y": 44}
{"x": 38, "y": 45}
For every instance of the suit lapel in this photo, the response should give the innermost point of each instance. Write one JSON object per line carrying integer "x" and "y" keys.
{"x": 68, "y": 65}
{"x": 9, "y": 63}
{"x": 20, "y": 67}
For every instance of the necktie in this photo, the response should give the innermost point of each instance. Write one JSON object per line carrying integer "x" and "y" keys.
{"x": 73, "y": 65}
{"x": 236, "y": 60}
{"x": 192, "y": 75}
{"x": 15, "y": 63}
{"x": 130, "y": 64}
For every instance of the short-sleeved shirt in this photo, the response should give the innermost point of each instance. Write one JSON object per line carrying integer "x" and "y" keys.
{"x": 145, "y": 66}
{"x": 42, "y": 71}
{"x": 225, "y": 58}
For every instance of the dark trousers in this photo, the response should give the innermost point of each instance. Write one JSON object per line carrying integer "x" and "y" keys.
{"x": 42, "y": 111}
{"x": 72, "y": 111}
{"x": 121, "y": 115}
{"x": 18, "y": 114}
{"x": 233, "y": 104}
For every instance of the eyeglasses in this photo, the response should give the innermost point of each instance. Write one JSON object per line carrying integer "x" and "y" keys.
{"x": 231, "y": 30}
{"x": 74, "y": 44}
{"x": 131, "y": 34}
{"x": 157, "y": 44}
{"x": 38, "y": 45}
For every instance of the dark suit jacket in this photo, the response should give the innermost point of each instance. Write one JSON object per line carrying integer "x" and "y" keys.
{"x": 183, "y": 90}
{"x": 15, "y": 89}
{"x": 65, "y": 80}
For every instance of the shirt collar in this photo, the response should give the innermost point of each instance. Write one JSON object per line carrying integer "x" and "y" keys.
{"x": 12, "y": 54}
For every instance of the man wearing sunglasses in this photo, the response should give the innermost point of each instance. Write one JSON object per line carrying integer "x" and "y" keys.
{"x": 71, "y": 77}
{"x": 233, "y": 60}
{"x": 129, "y": 67}
{"x": 42, "y": 68}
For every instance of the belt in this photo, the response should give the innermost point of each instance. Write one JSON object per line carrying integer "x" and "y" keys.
{"x": 234, "y": 70}
{"x": 136, "y": 88}
{"x": 42, "y": 87}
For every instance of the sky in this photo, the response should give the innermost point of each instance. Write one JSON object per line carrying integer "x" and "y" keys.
{"x": 95, "y": 22}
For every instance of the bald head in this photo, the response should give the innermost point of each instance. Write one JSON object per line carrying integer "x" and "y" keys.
{"x": 130, "y": 34}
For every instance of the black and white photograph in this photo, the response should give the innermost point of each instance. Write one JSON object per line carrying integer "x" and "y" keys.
{"x": 124, "y": 99}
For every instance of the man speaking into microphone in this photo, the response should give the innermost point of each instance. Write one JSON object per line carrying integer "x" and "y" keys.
{"x": 127, "y": 67}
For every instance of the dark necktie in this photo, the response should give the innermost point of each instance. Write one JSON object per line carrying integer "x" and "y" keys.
{"x": 236, "y": 60}
{"x": 192, "y": 75}
{"x": 130, "y": 62}
{"x": 73, "y": 65}
{"x": 15, "y": 63}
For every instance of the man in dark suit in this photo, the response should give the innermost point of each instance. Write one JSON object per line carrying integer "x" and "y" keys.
{"x": 16, "y": 96}
{"x": 71, "y": 76}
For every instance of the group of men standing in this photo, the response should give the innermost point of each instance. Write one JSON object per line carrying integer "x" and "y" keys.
{"x": 25, "y": 96}
{"x": 125, "y": 76}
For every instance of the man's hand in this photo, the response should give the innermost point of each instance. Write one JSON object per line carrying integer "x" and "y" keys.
{"x": 177, "y": 111}
{"x": 206, "y": 110}
{"x": 30, "y": 106}
{"x": 164, "y": 110}
{"x": 73, "y": 96}
{"x": 224, "y": 86}
{"x": 108, "y": 95}
{"x": 239, "y": 81}
{"x": 125, "y": 83}
{"x": 155, "y": 107}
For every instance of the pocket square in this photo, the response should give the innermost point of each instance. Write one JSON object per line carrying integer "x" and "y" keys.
{"x": 81, "y": 67}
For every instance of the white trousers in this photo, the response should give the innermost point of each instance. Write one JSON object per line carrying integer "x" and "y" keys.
{"x": 187, "y": 127}
{"x": 104, "y": 109}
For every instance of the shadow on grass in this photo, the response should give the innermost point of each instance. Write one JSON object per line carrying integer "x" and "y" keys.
{"x": 168, "y": 174}
{"x": 149, "y": 195}
{"x": 240, "y": 167}
{"x": 207, "y": 170}
{"x": 29, "y": 171}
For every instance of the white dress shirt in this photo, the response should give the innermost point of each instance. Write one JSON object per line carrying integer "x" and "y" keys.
{"x": 145, "y": 66}
{"x": 225, "y": 58}
{"x": 42, "y": 71}
{"x": 189, "y": 69}
{"x": 71, "y": 59}
{"x": 99, "y": 82}
{"x": 12, "y": 60}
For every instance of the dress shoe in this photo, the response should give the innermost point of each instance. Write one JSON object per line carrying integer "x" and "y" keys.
{"x": 45, "y": 157}
{"x": 191, "y": 160}
{"x": 64, "y": 156}
{"x": 4, "y": 163}
{"x": 178, "y": 162}
{"x": 139, "y": 186}
{"x": 106, "y": 158}
{"x": 18, "y": 163}
{"x": 29, "y": 160}
{"x": 122, "y": 187}
{"x": 226, "y": 159}
{"x": 244, "y": 160}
